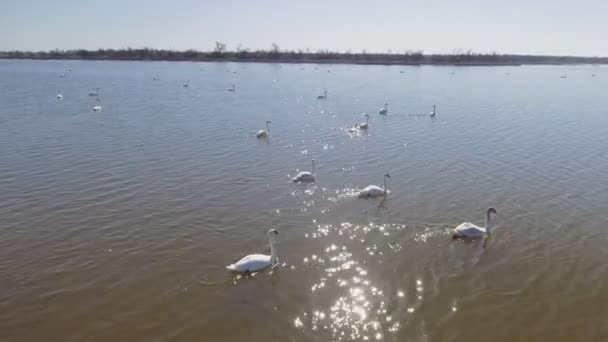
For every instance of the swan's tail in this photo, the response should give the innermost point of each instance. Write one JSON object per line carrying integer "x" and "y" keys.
{"x": 231, "y": 267}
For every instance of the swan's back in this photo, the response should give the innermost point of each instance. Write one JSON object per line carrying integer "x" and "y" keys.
{"x": 371, "y": 191}
{"x": 304, "y": 176}
{"x": 468, "y": 230}
{"x": 262, "y": 134}
{"x": 251, "y": 263}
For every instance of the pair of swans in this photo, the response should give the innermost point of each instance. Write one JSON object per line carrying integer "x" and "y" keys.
{"x": 257, "y": 262}
{"x": 264, "y": 133}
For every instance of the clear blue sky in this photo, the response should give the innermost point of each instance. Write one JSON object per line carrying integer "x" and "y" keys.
{"x": 563, "y": 27}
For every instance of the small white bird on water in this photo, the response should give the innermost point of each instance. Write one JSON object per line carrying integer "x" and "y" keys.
{"x": 258, "y": 262}
{"x": 305, "y": 176}
{"x": 233, "y": 89}
{"x": 383, "y": 111}
{"x": 94, "y": 93}
{"x": 468, "y": 230}
{"x": 59, "y": 95}
{"x": 264, "y": 133}
{"x": 433, "y": 113}
{"x": 374, "y": 190}
{"x": 323, "y": 97}
{"x": 98, "y": 108}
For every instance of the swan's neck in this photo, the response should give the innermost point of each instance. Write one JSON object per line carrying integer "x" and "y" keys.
{"x": 313, "y": 167}
{"x": 367, "y": 119}
{"x": 267, "y": 128}
{"x": 273, "y": 251}
{"x": 489, "y": 222}
{"x": 385, "y": 189}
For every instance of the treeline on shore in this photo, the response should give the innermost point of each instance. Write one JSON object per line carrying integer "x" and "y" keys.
{"x": 322, "y": 56}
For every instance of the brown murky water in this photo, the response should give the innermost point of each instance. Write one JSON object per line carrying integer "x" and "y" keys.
{"x": 117, "y": 226}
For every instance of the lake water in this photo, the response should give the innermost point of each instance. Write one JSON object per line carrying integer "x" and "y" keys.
{"x": 117, "y": 225}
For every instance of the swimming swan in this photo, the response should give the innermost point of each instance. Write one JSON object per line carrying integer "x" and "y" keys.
{"x": 306, "y": 176}
{"x": 257, "y": 262}
{"x": 374, "y": 190}
{"x": 365, "y": 124}
{"x": 264, "y": 133}
{"x": 94, "y": 93}
{"x": 233, "y": 89}
{"x": 98, "y": 108}
{"x": 383, "y": 111}
{"x": 467, "y": 230}
{"x": 433, "y": 113}
{"x": 323, "y": 97}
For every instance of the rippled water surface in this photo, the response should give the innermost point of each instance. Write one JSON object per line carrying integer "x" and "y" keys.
{"x": 117, "y": 225}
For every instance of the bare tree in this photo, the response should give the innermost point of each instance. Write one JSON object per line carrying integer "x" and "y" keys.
{"x": 220, "y": 48}
{"x": 275, "y": 48}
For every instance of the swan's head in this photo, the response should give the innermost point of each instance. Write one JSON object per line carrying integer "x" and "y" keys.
{"x": 386, "y": 175}
{"x": 268, "y": 122}
{"x": 386, "y": 105}
{"x": 273, "y": 233}
{"x": 492, "y": 211}
{"x": 366, "y": 115}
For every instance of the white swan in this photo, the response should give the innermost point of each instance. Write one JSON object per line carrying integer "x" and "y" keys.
{"x": 187, "y": 84}
{"x": 59, "y": 95}
{"x": 383, "y": 111}
{"x": 374, "y": 190}
{"x": 233, "y": 89}
{"x": 305, "y": 176}
{"x": 467, "y": 230}
{"x": 264, "y": 133}
{"x": 94, "y": 93}
{"x": 98, "y": 108}
{"x": 433, "y": 113}
{"x": 323, "y": 97}
{"x": 258, "y": 262}
{"x": 365, "y": 124}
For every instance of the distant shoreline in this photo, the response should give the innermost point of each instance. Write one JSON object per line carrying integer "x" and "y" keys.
{"x": 320, "y": 57}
